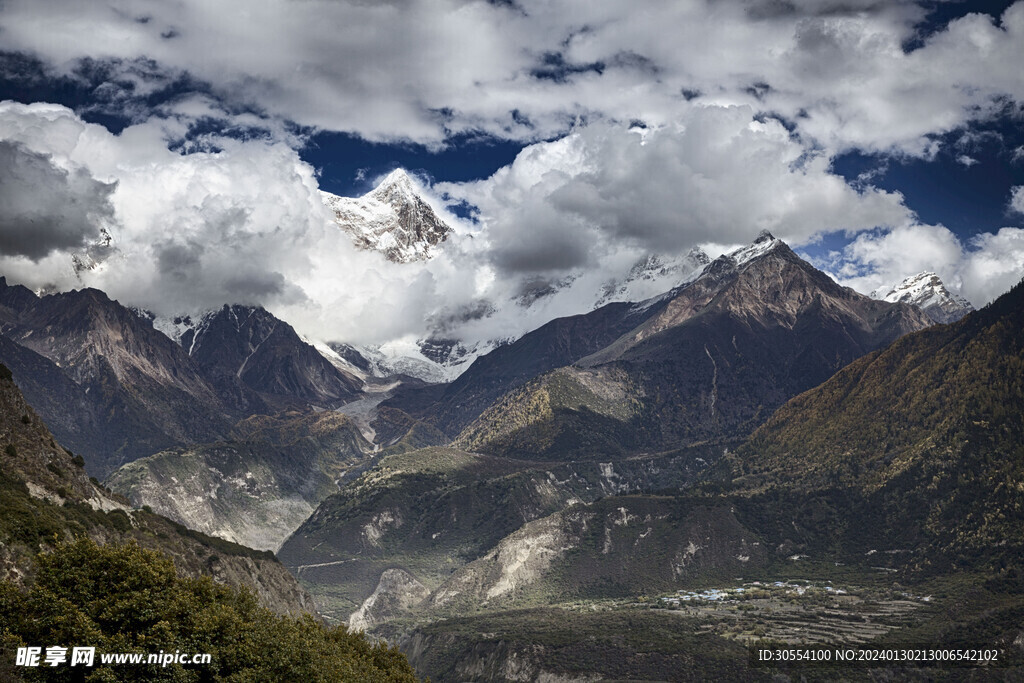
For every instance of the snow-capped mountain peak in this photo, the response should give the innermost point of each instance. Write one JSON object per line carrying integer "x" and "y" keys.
{"x": 654, "y": 275}
{"x": 396, "y": 188}
{"x": 392, "y": 218}
{"x": 927, "y": 291}
{"x": 764, "y": 243}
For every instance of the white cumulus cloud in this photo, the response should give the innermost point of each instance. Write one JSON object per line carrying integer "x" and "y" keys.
{"x": 716, "y": 176}
{"x": 1017, "y": 199}
{"x": 192, "y": 232}
{"x": 986, "y": 266}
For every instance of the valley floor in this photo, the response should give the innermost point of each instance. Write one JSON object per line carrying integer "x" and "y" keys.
{"x": 711, "y": 633}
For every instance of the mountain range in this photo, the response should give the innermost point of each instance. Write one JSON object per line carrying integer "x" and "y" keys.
{"x": 901, "y": 472}
{"x": 626, "y": 398}
{"x": 752, "y": 419}
{"x": 707, "y": 360}
{"x": 180, "y": 393}
{"x": 114, "y": 388}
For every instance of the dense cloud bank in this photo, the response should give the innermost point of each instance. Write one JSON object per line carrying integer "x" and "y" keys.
{"x": 246, "y": 224}
{"x": 655, "y": 131}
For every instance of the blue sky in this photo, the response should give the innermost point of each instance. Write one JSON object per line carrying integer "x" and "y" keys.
{"x": 964, "y": 186}
{"x": 349, "y": 164}
{"x": 881, "y": 139}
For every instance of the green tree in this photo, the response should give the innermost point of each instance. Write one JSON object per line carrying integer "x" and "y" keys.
{"x": 123, "y": 598}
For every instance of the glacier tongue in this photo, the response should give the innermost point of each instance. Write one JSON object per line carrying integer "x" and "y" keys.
{"x": 406, "y": 356}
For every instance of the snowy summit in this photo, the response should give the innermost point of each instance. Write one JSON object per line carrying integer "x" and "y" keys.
{"x": 927, "y": 292}
{"x": 392, "y": 218}
{"x": 764, "y": 243}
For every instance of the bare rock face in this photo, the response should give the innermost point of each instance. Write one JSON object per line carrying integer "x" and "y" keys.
{"x": 392, "y": 219}
{"x": 397, "y": 593}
